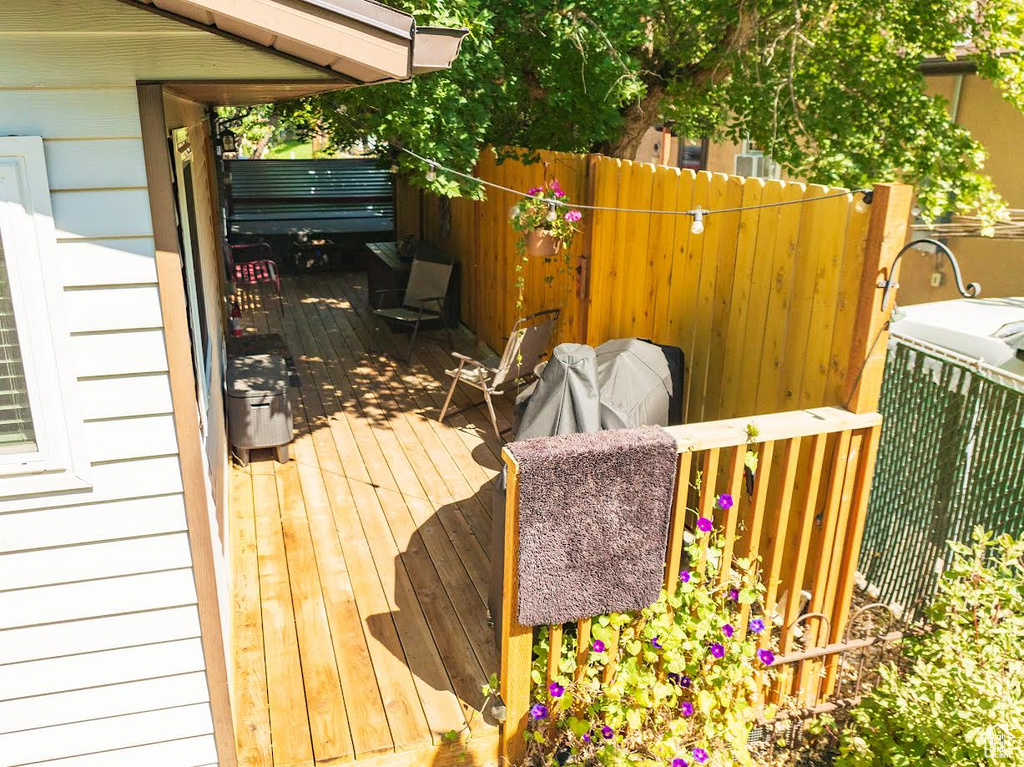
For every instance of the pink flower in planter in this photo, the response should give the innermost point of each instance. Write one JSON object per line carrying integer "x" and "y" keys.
{"x": 572, "y": 216}
{"x": 534, "y": 191}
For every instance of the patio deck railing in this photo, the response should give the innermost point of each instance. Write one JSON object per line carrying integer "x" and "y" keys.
{"x": 804, "y": 519}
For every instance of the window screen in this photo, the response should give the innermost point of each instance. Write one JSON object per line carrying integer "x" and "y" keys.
{"x": 16, "y": 432}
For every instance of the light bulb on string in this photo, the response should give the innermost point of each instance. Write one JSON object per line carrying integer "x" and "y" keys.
{"x": 861, "y": 205}
{"x": 432, "y": 173}
{"x": 697, "y": 227}
{"x": 916, "y": 211}
{"x": 552, "y": 213}
{"x": 394, "y": 167}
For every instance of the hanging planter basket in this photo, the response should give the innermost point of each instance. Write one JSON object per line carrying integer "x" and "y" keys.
{"x": 540, "y": 243}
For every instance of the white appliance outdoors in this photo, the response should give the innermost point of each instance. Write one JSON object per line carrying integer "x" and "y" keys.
{"x": 989, "y": 330}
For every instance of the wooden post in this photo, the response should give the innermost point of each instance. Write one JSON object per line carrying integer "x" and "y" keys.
{"x": 585, "y": 260}
{"x": 516, "y": 640}
{"x": 887, "y": 233}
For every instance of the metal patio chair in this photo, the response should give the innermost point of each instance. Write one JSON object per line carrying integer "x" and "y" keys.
{"x": 423, "y": 298}
{"x": 525, "y": 349}
{"x": 252, "y": 263}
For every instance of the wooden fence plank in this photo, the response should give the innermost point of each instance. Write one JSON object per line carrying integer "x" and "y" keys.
{"x": 746, "y": 253}
{"x": 675, "y": 539}
{"x": 669, "y": 184}
{"x": 721, "y": 317}
{"x": 783, "y": 255}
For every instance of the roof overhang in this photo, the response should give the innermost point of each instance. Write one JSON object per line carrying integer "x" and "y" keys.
{"x": 346, "y": 42}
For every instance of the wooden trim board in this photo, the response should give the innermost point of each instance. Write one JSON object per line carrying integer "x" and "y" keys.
{"x": 186, "y": 421}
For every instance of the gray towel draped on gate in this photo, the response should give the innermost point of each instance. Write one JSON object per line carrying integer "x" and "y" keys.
{"x": 594, "y": 512}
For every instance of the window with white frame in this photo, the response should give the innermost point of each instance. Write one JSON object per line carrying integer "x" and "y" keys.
{"x": 42, "y": 443}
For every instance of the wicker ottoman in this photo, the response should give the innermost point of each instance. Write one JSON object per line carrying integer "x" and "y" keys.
{"x": 259, "y": 414}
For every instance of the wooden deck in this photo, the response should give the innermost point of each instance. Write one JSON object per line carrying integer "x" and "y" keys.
{"x": 360, "y": 568}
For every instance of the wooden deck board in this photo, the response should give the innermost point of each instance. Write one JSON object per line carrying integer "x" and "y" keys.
{"x": 360, "y": 568}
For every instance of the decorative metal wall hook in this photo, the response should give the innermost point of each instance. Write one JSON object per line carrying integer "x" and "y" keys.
{"x": 971, "y": 290}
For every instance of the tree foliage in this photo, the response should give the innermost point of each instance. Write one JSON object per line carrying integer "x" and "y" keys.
{"x": 831, "y": 89}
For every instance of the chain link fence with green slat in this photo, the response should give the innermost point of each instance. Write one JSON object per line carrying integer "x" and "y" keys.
{"x": 951, "y": 457}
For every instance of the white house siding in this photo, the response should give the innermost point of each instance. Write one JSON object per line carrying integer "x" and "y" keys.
{"x": 100, "y": 660}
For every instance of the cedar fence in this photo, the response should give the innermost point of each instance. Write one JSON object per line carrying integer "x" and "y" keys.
{"x": 778, "y": 311}
{"x": 764, "y": 303}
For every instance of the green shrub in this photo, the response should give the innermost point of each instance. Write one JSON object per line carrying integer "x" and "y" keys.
{"x": 685, "y": 680}
{"x": 961, "y": 700}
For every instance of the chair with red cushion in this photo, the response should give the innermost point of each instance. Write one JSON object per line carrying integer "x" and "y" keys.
{"x": 249, "y": 268}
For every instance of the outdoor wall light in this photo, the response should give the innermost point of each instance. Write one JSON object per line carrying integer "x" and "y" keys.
{"x": 228, "y": 141}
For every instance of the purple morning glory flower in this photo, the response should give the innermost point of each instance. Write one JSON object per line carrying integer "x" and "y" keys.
{"x": 556, "y": 690}
{"x": 724, "y": 502}
{"x": 718, "y": 650}
{"x": 734, "y": 595}
{"x": 655, "y": 643}
{"x": 677, "y": 762}
{"x": 767, "y": 657}
{"x": 728, "y": 630}
{"x": 586, "y": 737}
{"x": 539, "y": 711}
{"x": 607, "y": 732}
{"x": 700, "y": 755}
{"x": 686, "y": 708}
{"x": 598, "y": 646}
{"x": 684, "y": 576}
{"x": 685, "y": 681}
{"x": 757, "y": 625}
{"x": 705, "y": 525}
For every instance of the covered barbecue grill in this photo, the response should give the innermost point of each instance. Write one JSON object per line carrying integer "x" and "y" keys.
{"x": 622, "y": 384}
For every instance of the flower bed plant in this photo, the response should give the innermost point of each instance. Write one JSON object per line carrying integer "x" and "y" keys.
{"x": 683, "y": 690}
{"x": 961, "y": 700}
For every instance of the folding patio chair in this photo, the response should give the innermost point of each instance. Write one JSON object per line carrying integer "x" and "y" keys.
{"x": 423, "y": 298}
{"x": 252, "y": 263}
{"x": 525, "y": 349}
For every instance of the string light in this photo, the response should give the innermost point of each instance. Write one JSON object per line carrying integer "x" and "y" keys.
{"x": 394, "y": 167}
{"x": 697, "y": 214}
{"x": 552, "y": 213}
{"x": 697, "y": 227}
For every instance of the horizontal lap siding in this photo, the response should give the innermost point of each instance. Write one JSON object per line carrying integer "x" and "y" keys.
{"x": 100, "y": 657}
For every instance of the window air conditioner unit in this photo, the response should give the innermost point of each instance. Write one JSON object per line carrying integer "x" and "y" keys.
{"x": 751, "y": 163}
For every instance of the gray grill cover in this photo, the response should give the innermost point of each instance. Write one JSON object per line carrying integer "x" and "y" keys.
{"x": 623, "y": 384}
{"x": 565, "y": 398}
{"x": 635, "y": 382}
